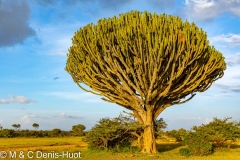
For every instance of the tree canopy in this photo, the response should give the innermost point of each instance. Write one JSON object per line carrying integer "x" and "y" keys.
{"x": 78, "y": 129}
{"x": 16, "y": 126}
{"x": 144, "y": 62}
{"x": 35, "y": 125}
{"x": 220, "y": 131}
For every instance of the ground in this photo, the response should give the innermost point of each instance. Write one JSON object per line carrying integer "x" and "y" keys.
{"x": 167, "y": 150}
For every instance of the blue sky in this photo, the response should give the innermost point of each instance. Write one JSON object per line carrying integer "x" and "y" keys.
{"x": 34, "y": 39}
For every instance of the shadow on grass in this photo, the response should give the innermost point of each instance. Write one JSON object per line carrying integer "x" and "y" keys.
{"x": 163, "y": 147}
{"x": 235, "y": 146}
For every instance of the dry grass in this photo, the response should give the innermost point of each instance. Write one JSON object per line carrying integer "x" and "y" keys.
{"x": 51, "y": 143}
{"x": 167, "y": 150}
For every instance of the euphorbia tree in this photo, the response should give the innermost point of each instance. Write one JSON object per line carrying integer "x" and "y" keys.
{"x": 144, "y": 62}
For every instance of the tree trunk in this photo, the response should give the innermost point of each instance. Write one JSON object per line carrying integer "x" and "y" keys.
{"x": 149, "y": 141}
{"x": 139, "y": 141}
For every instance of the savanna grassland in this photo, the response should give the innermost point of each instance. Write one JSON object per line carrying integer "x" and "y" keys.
{"x": 167, "y": 150}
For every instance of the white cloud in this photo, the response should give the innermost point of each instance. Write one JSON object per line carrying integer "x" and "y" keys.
{"x": 227, "y": 95}
{"x": 233, "y": 59}
{"x": 25, "y": 119}
{"x": 62, "y": 47}
{"x": 197, "y": 120}
{"x": 46, "y": 117}
{"x": 233, "y": 88}
{"x": 64, "y": 115}
{"x": 231, "y": 75}
{"x": 2, "y": 100}
{"x": 19, "y": 99}
{"x": 31, "y": 115}
{"x": 210, "y": 9}
{"x": 207, "y": 120}
{"x": 232, "y": 40}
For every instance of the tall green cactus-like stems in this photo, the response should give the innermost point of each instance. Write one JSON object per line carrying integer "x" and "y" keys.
{"x": 144, "y": 62}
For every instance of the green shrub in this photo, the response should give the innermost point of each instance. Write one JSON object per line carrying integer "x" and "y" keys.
{"x": 78, "y": 130}
{"x": 7, "y": 133}
{"x": 177, "y": 134}
{"x": 56, "y": 132}
{"x": 184, "y": 152}
{"x": 109, "y": 133}
{"x": 112, "y": 133}
{"x": 220, "y": 131}
{"x": 198, "y": 144}
{"x": 125, "y": 146}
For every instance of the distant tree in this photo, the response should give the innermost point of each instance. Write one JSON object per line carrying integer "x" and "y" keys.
{"x": 159, "y": 125}
{"x": 177, "y": 134}
{"x": 78, "y": 129}
{"x": 1, "y": 127}
{"x": 172, "y": 134}
{"x": 15, "y": 126}
{"x": 18, "y": 127}
{"x": 220, "y": 131}
{"x": 7, "y": 133}
{"x": 144, "y": 62}
{"x": 56, "y": 132}
{"x": 182, "y": 133}
{"x": 35, "y": 125}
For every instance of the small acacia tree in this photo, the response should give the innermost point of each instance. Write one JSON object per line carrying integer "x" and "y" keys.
{"x": 78, "y": 129}
{"x": 15, "y": 126}
{"x": 159, "y": 125}
{"x": 35, "y": 125}
{"x": 178, "y": 134}
{"x": 18, "y": 127}
{"x": 144, "y": 62}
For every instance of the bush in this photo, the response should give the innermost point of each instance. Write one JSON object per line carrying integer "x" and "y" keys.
{"x": 10, "y": 133}
{"x": 7, "y": 133}
{"x": 177, "y": 134}
{"x": 198, "y": 144}
{"x": 56, "y": 132}
{"x": 113, "y": 133}
{"x": 220, "y": 131}
{"x": 125, "y": 146}
{"x": 159, "y": 125}
{"x": 185, "y": 152}
{"x": 78, "y": 130}
{"x": 109, "y": 133}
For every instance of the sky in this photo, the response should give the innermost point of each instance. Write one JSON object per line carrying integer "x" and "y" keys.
{"x": 34, "y": 39}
